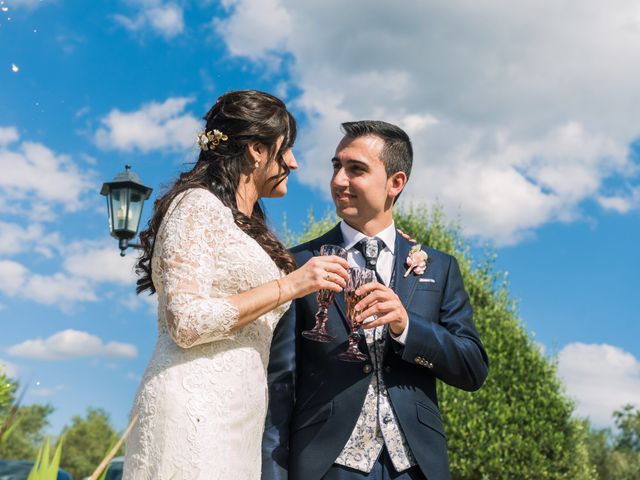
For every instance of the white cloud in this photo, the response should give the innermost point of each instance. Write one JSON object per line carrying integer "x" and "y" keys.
{"x": 164, "y": 18}
{"x": 622, "y": 203}
{"x": 135, "y": 302}
{"x": 86, "y": 265}
{"x": 15, "y": 239}
{"x": 602, "y": 378}
{"x": 513, "y": 124}
{"x": 71, "y": 344}
{"x": 34, "y": 179}
{"x": 11, "y": 370}
{"x": 156, "y": 126}
{"x": 8, "y": 135}
{"x": 101, "y": 264}
{"x": 29, "y": 4}
{"x": 254, "y": 27}
{"x": 46, "y": 391}
{"x": 58, "y": 289}
{"x": 13, "y": 276}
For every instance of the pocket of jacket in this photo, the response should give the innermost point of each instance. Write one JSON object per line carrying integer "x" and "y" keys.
{"x": 311, "y": 416}
{"x": 430, "y": 418}
{"x": 429, "y": 286}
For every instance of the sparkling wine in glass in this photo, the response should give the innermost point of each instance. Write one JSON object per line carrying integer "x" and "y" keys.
{"x": 319, "y": 332}
{"x": 357, "y": 278}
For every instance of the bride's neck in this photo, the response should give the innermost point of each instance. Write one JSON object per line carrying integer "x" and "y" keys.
{"x": 246, "y": 195}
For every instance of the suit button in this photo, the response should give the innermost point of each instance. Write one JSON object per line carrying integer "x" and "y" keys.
{"x": 367, "y": 368}
{"x": 387, "y": 369}
{"x": 386, "y": 419}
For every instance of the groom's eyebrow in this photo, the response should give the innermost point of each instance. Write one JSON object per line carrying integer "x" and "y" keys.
{"x": 350, "y": 162}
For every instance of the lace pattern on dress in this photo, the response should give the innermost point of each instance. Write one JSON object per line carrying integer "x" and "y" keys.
{"x": 203, "y": 397}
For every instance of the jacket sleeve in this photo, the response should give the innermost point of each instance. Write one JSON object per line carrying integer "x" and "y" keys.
{"x": 449, "y": 348}
{"x": 281, "y": 378}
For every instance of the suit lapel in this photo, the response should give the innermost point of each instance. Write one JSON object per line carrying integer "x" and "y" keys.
{"x": 403, "y": 286}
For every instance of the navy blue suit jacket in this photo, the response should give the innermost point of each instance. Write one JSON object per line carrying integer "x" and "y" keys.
{"x": 315, "y": 399}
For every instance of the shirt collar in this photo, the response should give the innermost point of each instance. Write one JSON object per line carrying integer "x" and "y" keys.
{"x": 352, "y": 236}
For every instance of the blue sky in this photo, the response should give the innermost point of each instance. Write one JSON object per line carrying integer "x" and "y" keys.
{"x": 524, "y": 124}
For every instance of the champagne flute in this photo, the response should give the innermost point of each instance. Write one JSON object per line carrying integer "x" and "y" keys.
{"x": 319, "y": 332}
{"x": 357, "y": 278}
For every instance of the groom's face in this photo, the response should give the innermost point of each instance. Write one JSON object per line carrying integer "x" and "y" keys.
{"x": 359, "y": 185}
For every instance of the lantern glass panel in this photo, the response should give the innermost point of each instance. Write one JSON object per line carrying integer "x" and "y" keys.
{"x": 135, "y": 210}
{"x": 120, "y": 209}
{"x": 110, "y": 213}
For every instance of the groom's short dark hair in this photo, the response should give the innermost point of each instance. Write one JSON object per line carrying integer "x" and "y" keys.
{"x": 397, "y": 153}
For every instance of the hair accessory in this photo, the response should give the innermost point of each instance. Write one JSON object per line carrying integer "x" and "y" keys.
{"x": 210, "y": 140}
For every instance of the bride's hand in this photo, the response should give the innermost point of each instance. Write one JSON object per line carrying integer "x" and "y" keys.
{"x": 325, "y": 272}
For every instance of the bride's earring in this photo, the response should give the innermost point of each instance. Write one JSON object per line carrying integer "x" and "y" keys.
{"x": 257, "y": 164}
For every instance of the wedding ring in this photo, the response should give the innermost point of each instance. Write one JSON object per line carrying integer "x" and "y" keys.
{"x": 327, "y": 276}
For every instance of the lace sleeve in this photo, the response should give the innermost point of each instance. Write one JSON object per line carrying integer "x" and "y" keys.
{"x": 194, "y": 232}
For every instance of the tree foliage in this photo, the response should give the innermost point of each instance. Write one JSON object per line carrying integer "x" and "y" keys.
{"x": 87, "y": 440}
{"x": 519, "y": 424}
{"x": 616, "y": 455}
{"x": 28, "y": 434}
{"x": 21, "y": 427}
{"x": 7, "y": 393}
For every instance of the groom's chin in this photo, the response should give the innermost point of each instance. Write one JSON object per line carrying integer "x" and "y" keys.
{"x": 345, "y": 213}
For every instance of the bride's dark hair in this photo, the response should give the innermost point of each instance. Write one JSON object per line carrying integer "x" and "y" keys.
{"x": 243, "y": 116}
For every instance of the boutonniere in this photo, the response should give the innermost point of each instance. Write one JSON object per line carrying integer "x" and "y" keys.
{"x": 416, "y": 260}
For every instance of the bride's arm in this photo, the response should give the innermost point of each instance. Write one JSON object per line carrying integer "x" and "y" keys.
{"x": 196, "y": 230}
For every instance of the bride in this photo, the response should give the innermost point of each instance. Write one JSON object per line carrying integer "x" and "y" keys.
{"x": 223, "y": 281}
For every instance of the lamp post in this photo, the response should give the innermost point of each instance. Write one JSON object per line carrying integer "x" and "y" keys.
{"x": 125, "y": 197}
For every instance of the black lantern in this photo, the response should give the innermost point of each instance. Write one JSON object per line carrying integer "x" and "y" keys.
{"x": 125, "y": 198}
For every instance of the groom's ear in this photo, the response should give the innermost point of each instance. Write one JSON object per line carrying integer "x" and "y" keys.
{"x": 396, "y": 183}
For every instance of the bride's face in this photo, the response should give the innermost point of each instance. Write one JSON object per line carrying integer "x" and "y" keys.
{"x": 267, "y": 186}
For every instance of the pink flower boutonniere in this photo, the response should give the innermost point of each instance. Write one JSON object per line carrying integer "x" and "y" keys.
{"x": 416, "y": 260}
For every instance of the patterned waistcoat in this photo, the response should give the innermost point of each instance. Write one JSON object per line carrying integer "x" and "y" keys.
{"x": 377, "y": 425}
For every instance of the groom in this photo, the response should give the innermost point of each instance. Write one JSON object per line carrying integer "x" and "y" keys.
{"x": 378, "y": 419}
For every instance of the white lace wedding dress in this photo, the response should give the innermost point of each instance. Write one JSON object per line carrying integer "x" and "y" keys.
{"x": 203, "y": 397}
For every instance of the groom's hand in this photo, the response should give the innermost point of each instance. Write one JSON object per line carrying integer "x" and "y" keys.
{"x": 381, "y": 303}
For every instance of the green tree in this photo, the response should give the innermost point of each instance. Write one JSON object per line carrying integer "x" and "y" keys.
{"x": 7, "y": 399}
{"x": 22, "y": 425}
{"x": 628, "y": 422}
{"x": 7, "y": 394}
{"x": 28, "y": 434}
{"x": 86, "y": 442}
{"x": 616, "y": 455}
{"x": 519, "y": 425}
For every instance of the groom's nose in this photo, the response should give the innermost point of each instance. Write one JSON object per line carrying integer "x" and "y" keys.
{"x": 340, "y": 178}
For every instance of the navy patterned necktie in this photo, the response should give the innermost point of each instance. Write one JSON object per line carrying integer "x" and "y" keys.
{"x": 370, "y": 249}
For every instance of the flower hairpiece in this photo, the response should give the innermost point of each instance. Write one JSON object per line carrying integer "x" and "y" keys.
{"x": 416, "y": 260}
{"x": 210, "y": 140}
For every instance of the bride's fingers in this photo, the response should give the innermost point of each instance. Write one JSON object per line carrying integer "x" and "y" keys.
{"x": 337, "y": 268}
{"x": 333, "y": 283}
{"x": 335, "y": 278}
